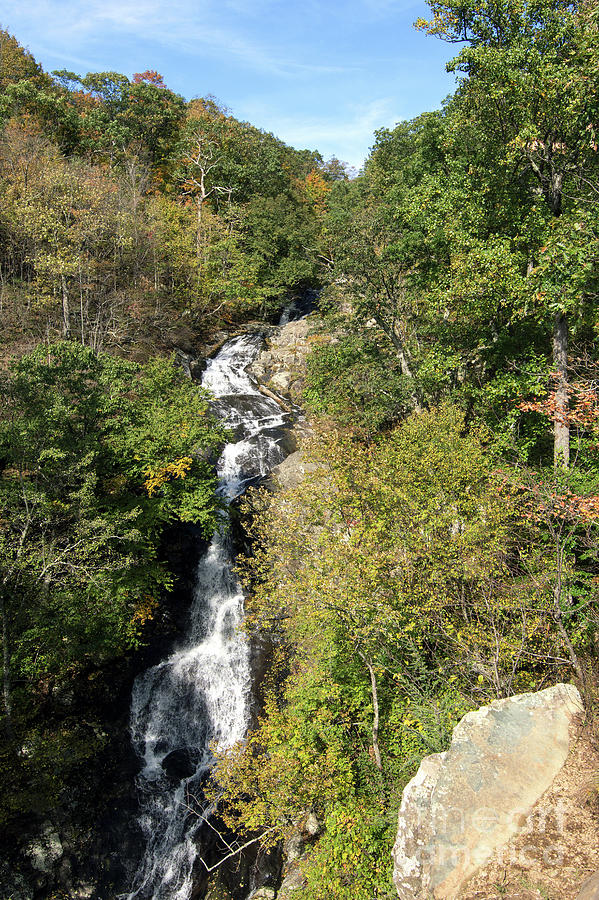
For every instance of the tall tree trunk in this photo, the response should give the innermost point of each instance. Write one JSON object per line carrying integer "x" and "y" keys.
{"x": 402, "y": 357}
{"x": 66, "y": 314}
{"x": 561, "y": 441}
{"x": 199, "y": 204}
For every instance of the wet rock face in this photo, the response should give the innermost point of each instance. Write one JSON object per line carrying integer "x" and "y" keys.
{"x": 179, "y": 764}
{"x": 464, "y": 804}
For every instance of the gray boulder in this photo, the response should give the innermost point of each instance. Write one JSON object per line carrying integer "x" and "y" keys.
{"x": 464, "y": 804}
{"x": 590, "y": 889}
{"x": 291, "y": 472}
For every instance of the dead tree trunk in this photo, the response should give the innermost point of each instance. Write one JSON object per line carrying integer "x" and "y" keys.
{"x": 376, "y": 751}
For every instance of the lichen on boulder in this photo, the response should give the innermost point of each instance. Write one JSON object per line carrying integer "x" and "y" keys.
{"x": 465, "y": 803}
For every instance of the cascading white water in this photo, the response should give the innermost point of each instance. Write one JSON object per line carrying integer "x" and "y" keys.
{"x": 200, "y": 694}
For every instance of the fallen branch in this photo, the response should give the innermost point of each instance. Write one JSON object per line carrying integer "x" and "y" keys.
{"x": 234, "y": 852}
{"x": 268, "y": 393}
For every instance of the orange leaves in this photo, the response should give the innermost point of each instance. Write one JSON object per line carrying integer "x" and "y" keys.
{"x": 587, "y": 508}
{"x": 582, "y": 407}
{"x": 542, "y": 501}
{"x": 149, "y": 77}
{"x": 562, "y": 505}
{"x": 317, "y": 188}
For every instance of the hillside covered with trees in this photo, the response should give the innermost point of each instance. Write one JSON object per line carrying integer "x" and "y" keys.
{"x": 133, "y": 223}
{"x": 443, "y": 551}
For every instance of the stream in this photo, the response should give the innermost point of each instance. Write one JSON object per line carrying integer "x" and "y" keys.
{"x": 200, "y": 695}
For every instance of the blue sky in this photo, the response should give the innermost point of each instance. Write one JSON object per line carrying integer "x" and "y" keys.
{"x": 322, "y": 75}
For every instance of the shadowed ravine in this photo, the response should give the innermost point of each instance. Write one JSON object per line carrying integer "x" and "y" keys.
{"x": 200, "y": 695}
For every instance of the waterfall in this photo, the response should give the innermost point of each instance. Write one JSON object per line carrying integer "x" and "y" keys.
{"x": 200, "y": 694}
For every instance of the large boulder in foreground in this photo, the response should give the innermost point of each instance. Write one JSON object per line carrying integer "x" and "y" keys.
{"x": 464, "y": 804}
{"x": 590, "y": 889}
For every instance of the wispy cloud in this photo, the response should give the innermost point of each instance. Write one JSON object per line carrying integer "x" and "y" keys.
{"x": 183, "y": 25}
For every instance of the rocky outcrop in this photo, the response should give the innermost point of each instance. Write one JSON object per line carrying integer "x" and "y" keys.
{"x": 281, "y": 369}
{"x": 465, "y": 804}
{"x": 293, "y": 882}
{"x": 294, "y": 468}
{"x": 282, "y": 364}
{"x": 294, "y": 854}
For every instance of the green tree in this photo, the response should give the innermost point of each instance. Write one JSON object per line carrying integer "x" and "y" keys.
{"x": 528, "y": 71}
{"x": 357, "y": 382}
{"x": 119, "y": 117}
{"x": 16, "y": 63}
{"x": 97, "y": 457}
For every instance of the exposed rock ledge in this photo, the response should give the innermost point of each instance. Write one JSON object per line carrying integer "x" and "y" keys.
{"x": 281, "y": 369}
{"x": 466, "y": 804}
{"x": 282, "y": 365}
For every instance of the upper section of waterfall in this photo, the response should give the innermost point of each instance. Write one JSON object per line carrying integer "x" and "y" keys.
{"x": 253, "y": 417}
